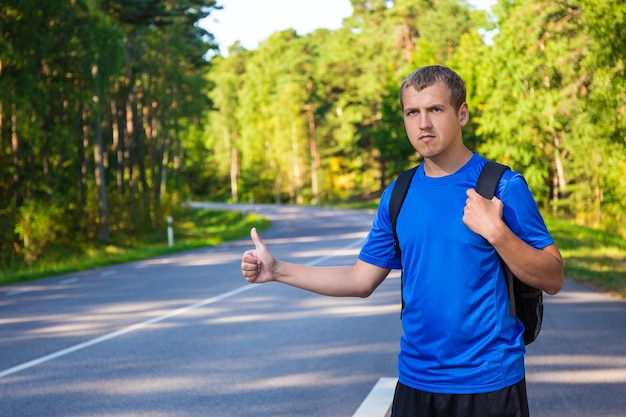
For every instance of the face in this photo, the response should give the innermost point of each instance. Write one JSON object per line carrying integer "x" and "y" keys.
{"x": 432, "y": 123}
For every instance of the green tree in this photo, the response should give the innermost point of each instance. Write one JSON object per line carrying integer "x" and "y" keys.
{"x": 555, "y": 92}
{"x": 604, "y": 24}
{"x": 226, "y": 75}
{"x": 273, "y": 133}
{"x": 531, "y": 118}
{"x": 94, "y": 119}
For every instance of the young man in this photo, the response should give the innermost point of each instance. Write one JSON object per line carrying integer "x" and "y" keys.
{"x": 462, "y": 354}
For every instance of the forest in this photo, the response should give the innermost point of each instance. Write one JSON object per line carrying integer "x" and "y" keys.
{"x": 114, "y": 113}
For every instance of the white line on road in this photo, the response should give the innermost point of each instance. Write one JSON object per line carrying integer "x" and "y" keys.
{"x": 338, "y": 252}
{"x": 17, "y": 292}
{"x": 143, "y": 324}
{"x": 378, "y": 401}
{"x": 121, "y": 332}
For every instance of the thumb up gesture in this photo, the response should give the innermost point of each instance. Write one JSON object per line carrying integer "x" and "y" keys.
{"x": 258, "y": 265}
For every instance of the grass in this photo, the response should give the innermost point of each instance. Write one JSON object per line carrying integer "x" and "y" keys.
{"x": 192, "y": 229}
{"x": 594, "y": 257}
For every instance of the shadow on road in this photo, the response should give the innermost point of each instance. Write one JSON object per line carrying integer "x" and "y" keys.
{"x": 577, "y": 366}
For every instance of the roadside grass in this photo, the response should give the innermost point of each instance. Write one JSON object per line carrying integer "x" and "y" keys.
{"x": 192, "y": 229}
{"x": 594, "y": 257}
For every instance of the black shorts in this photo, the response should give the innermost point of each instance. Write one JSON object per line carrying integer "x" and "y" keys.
{"x": 508, "y": 402}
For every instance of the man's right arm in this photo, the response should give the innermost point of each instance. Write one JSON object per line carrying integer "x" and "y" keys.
{"x": 360, "y": 280}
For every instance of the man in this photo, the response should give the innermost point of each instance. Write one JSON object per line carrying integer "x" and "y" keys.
{"x": 462, "y": 354}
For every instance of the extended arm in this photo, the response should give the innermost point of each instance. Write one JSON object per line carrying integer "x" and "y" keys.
{"x": 539, "y": 268}
{"x": 360, "y": 280}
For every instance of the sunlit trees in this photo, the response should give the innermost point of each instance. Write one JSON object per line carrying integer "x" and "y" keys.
{"x": 112, "y": 112}
{"x": 96, "y": 99}
{"x": 554, "y": 96}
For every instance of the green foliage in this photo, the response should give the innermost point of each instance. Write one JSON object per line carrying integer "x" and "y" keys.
{"x": 593, "y": 256}
{"x": 96, "y": 100}
{"x": 40, "y": 224}
{"x": 551, "y": 107}
{"x": 112, "y": 112}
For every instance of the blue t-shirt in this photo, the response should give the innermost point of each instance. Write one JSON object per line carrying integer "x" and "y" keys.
{"x": 458, "y": 334}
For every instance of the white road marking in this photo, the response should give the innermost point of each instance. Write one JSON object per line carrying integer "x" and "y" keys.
{"x": 378, "y": 401}
{"x": 68, "y": 281}
{"x": 337, "y": 252}
{"x": 17, "y": 292}
{"x": 145, "y": 323}
{"x": 121, "y": 332}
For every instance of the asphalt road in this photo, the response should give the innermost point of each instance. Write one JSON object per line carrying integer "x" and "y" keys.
{"x": 577, "y": 366}
{"x": 184, "y": 335}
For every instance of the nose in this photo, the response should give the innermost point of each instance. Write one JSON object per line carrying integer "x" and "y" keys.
{"x": 424, "y": 121}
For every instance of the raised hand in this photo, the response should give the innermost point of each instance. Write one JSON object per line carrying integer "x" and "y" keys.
{"x": 258, "y": 265}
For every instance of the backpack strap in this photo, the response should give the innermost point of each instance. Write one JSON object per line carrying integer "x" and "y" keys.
{"x": 489, "y": 178}
{"x": 486, "y": 186}
{"x": 398, "y": 194}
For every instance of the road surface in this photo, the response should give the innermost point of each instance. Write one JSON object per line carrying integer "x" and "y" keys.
{"x": 184, "y": 335}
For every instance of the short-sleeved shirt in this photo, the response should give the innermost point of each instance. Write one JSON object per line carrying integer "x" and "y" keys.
{"x": 459, "y": 337}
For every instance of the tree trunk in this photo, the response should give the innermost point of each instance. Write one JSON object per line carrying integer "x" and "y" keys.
{"x": 166, "y": 144}
{"x": 15, "y": 149}
{"x": 98, "y": 156}
{"x": 82, "y": 145}
{"x": 558, "y": 181}
{"x": 315, "y": 158}
{"x": 234, "y": 167}
{"x": 128, "y": 153}
{"x": 297, "y": 171}
{"x": 117, "y": 132}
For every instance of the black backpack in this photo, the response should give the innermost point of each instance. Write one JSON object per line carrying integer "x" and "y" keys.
{"x": 525, "y": 301}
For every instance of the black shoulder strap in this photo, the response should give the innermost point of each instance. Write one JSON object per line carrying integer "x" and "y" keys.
{"x": 398, "y": 194}
{"x": 486, "y": 186}
{"x": 489, "y": 178}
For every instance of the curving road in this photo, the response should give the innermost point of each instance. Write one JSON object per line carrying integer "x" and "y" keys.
{"x": 184, "y": 335}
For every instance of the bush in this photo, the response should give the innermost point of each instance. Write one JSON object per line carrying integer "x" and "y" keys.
{"x": 39, "y": 224}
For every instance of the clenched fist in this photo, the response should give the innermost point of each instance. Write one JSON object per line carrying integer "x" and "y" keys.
{"x": 481, "y": 215}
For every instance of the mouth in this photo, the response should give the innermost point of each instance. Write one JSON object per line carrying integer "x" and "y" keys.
{"x": 426, "y": 137}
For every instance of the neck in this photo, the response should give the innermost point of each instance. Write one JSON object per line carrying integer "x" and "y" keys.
{"x": 441, "y": 167}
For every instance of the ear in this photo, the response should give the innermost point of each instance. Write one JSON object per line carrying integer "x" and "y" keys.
{"x": 463, "y": 114}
